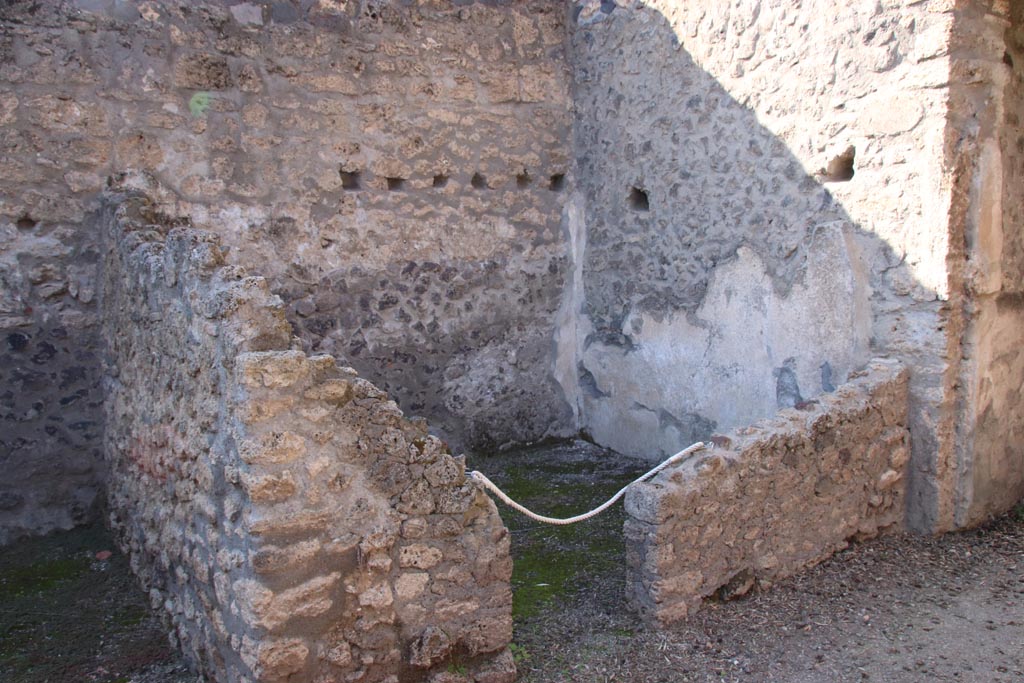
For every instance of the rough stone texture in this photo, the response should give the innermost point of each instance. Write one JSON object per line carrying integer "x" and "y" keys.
{"x": 422, "y": 215}
{"x": 291, "y": 522}
{"x": 50, "y": 399}
{"x": 437, "y": 272}
{"x": 986, "y": 141}
{"x": 774, "y": 497}
{"x": 49, "y": 426}
{"x": 727, "y": 208}
{"x": 750, "y": 275}
{"x": 731, "y": 265}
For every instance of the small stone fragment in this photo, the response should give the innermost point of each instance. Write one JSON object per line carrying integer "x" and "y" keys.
{"x": 433, "y": 645}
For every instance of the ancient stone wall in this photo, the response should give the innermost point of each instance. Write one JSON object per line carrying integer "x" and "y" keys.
{"x": 986, "y": 141}
{"x": 291, "y": 522}
{"x": 50, "y": 421}
{"x": 397, "y": 170}
{"x": 765, "y": 207}
{"x": 774, "y": 497}
{"x": 723, "y": 211}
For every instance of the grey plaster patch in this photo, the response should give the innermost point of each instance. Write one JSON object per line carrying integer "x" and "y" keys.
{"x": 732, "y": 360}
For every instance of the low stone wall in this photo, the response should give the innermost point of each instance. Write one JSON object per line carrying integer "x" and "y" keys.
{"x": 772, "y": 498}
{"x": 291, "y": 522}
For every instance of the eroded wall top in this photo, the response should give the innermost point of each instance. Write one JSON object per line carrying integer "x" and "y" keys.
{"x": 291, "y": 521}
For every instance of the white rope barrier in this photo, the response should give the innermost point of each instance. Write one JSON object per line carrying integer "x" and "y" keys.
{"x": 490, "y": 485}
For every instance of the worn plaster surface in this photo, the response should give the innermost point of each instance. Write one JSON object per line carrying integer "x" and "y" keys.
{"x": 764, "y": 210}
{"x": 697, "y": 159}
{"x": 986, "y": 138}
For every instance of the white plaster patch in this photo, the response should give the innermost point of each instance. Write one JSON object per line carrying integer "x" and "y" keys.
{"x": 723, "y": 362}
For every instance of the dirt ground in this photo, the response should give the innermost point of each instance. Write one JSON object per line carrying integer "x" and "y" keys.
{"x": 898, "y": 608}
{"x": 71, "y": 611}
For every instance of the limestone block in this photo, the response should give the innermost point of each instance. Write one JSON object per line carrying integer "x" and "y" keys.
{"x": 456, "y": 500}
{"x": 8, "y": 104}
{"x": 419, "y": 556}
{"x": 273, "y": 448}
{"x": 410, "y": 585}
{"x": 65, "y": 114}
{"x": 303, "y": 523}
{"x": 272, "y": 369}
{"x": 417, "y": 499}
{"x": 273, "y": 558}
{"x": 268, "y": 610}
{"x": 336, "y": 392}
{"x": 252, "y": 412}
{"x": 433, "y": 645}
{"x": 269, "y": 488}
{"x": 446, "y": 472}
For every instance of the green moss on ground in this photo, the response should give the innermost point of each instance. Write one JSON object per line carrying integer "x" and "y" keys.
{"x": 551, "y": 563}
{"x": 67, "y": 616}
{"x": 40, "y": 577}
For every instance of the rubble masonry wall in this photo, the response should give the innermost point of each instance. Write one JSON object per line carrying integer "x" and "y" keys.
{"x": 772, "y": 498}
{"x": 395, "y": 170}
{"x": 280, "y": 509}
{"x": 765, "y": 206}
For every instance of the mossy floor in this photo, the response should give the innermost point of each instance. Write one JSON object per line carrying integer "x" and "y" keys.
{"x": 554, "y": 564}
{"x": 897, "y": 609}
{"x": 71, "y": 612}
{"x": 70, "y": 609}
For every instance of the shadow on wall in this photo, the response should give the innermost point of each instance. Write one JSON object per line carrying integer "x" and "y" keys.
{"x": 721, "y": 277}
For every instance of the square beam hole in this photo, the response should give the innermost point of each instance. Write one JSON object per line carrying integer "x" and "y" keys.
{"x": 350, "y": 180}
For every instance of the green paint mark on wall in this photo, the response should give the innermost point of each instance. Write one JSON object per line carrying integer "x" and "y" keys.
{"x": 199, "y": 103}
